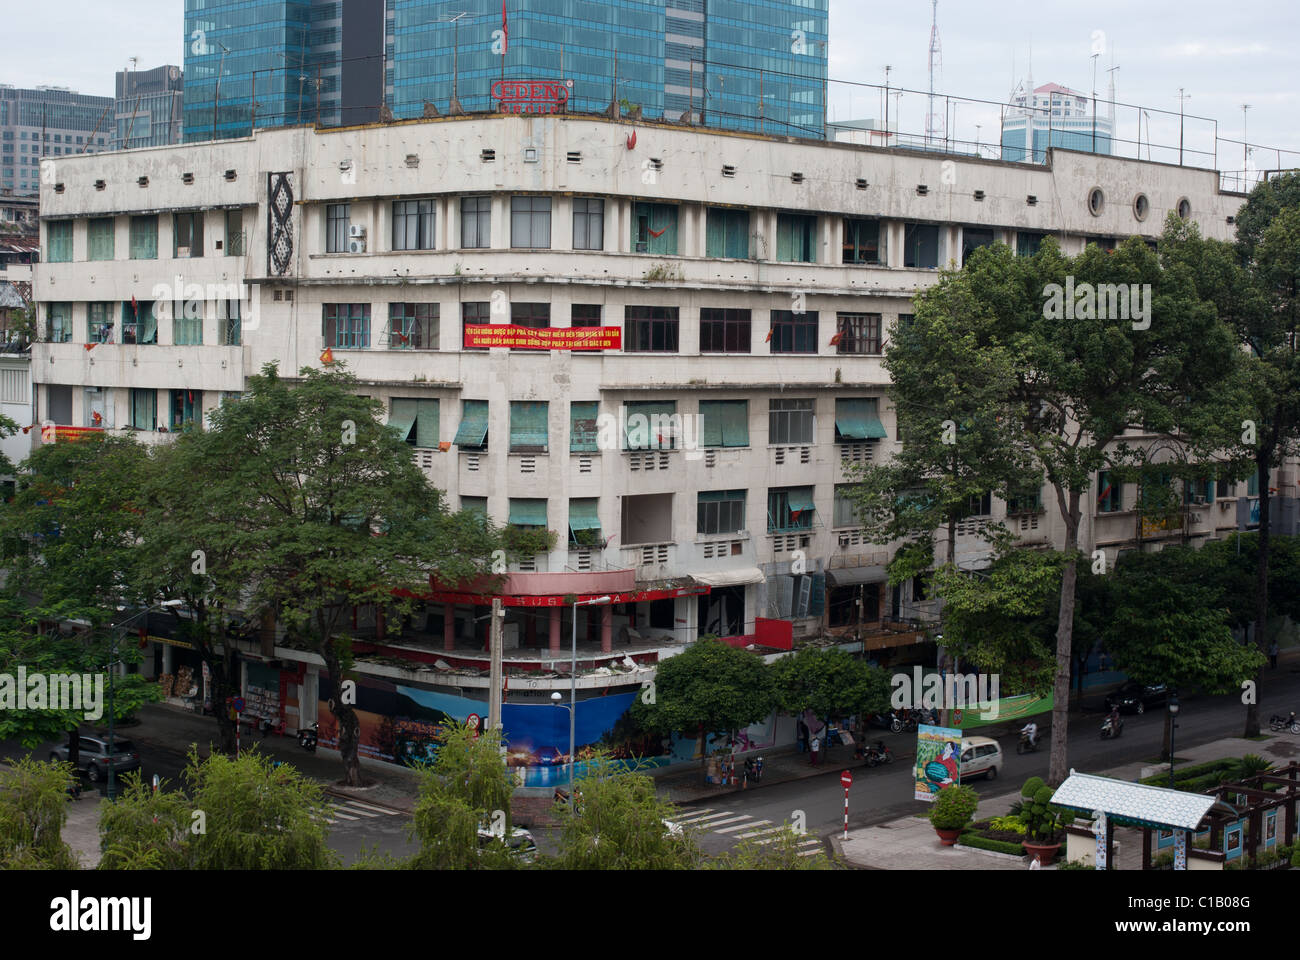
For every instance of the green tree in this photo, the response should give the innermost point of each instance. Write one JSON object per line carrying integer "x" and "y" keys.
{"x": 619, "y": 825}
{"x": 1167, "y": 626}
{"x": 255, "y": 816}
{"x": 145, "y": 829}
{"x": 709, "y": 687}
{"x": 326, "y": 511}
{"x": 831, "y": 683}
{"x": 465, "y": 789}
{"x": 33, "y": 809}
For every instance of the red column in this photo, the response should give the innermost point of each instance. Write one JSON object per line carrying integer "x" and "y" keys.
{"x": 555, "y": 629}
{"x": 448, "y": 626}
{"x": 606, "y": 628}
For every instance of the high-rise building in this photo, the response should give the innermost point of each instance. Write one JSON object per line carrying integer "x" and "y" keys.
{"x": 148, "y": 107}
{"x": 1055, "y": 116}
{"x": 736, "y": 65}
{"x": 66, "y": 122}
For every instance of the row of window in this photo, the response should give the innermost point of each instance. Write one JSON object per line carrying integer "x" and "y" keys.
{"x": 717, "y": 512}
{"x": 136, "y": 322}
{"x": 184, "y": 408}
{"x": 643, "y": 425}
{"x": 729, "y": 233}
{"x": 1110, "y": 491}
{"x": 101, "y": 237}
{"x": 646, "y": 329}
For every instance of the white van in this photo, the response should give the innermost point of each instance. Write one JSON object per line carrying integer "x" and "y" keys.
{"x": 980, "y": 757}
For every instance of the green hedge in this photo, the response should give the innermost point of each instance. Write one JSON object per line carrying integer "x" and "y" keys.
{"x": 1184, "y": 774}
{"x": 984, "y": 843}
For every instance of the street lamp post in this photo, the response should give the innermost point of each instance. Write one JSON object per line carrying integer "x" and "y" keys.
{"x": 1173, "y": 725}
{"x": 573, "y": 685}
{"x": 118, "y": 636}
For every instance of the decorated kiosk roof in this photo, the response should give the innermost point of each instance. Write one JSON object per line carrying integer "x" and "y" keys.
{"x": 1133, "y": 803}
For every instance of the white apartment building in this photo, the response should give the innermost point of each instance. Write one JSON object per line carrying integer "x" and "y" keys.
{"x": 755, "y": 281}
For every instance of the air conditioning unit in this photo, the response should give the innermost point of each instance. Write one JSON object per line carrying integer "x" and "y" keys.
{"x": 356, "y": 231}
{"x": 357, "y": 246}
{"x": 1199, "y": 501}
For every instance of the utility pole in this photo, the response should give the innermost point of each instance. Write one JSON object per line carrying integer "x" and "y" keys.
{"x": 1245, "y": 163}
{"x": 216, "y": 102}
{"x": 1181, "y": 98}
{"x": 1094, "y": 101}
{"x": 495, "y": 642}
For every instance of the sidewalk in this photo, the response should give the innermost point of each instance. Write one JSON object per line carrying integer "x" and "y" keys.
{"x": 169, "y": 727}
{"x": 910, "y": 843}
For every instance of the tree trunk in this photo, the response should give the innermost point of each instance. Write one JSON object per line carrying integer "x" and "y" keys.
{"x": 74, "y": 748}
{"x": 1057, "y": 769}
{"x": 1261, "y": 582}
{"x": 702, "y": 742}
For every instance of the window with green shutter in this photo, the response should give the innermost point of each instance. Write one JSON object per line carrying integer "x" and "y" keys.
{"x": 719, "y": 511}
{"x": 99, "y": 238}
{"x": 651, "y": 425}
{"x": 527, "y": 513}
{"x": 416, "y": 421}
{"x": 473, "y": 431}
{"x": 528, "y": 426}
{"x": 144, "y": 238}
{"x": 845, "y": 508}
{"x": 583, "y": 429}
{"x": 727, "y": 234}
{"x": 144, "y": 409}
{"x": 654, "y": 228}
{"x": 790, "y": 508}
{"x": 584, "y": 523}
{"x": 796, "y": 238}
{"x": 856, "y": 419}
{"x": 59, "y": 316}
{"x": 724, "y": 423}
{"x": 58, "y": 235}
{"x": 187, "y": 323}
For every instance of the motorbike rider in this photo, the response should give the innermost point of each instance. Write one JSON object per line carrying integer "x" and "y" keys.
{"x": 1113, "y": 719}
{"x": 1030, "y": 730}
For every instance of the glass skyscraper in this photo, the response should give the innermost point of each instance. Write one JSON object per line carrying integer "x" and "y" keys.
{"x": 757, "y": 65}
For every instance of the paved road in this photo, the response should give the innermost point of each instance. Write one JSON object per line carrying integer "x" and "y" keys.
{"x": 885, "y": 793}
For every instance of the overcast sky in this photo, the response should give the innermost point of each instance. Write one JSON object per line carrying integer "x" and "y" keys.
{"x": 1223, "y": 55}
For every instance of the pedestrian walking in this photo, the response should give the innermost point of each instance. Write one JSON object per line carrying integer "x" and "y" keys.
{"x": 1272, "y": 655}
{"x": 816, "y": 749}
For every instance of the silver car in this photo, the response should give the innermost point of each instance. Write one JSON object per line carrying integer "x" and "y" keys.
{"x": 93, "y": 756}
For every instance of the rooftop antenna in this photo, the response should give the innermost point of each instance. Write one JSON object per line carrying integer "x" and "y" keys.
{"x": 126, "y": 144}
{"x": 932, "y": 128}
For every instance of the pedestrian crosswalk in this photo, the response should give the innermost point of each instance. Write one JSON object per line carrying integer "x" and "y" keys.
{"x": 355, "y": 810}
{"x": 742, "y": 826}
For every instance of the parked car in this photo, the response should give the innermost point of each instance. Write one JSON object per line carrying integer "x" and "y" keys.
{"x": 1134, "y": 697}
{"x": 521, "y": 842}
{"x": 93, "y": 756}
{"x": 980, "y": 757}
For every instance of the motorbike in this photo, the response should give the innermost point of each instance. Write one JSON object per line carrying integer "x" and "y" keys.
{"x": 1026, "y": 745}
{"x": 898, "y": 722}
{"x": 1107, "y": 733}
{"x": 878, "y": 753}
{"x": 1279, "y": 722}
{"x": 307, "y": 737}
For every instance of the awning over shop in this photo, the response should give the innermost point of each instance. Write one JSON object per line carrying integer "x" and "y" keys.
{"x": 527, "y": 513}
{"x": 730, "y": 578}
{"x": 856, "y": 419}
{"x": 473, "y": 424}
{"x": 403, "y": 417}
{"x": 852, "y": 576}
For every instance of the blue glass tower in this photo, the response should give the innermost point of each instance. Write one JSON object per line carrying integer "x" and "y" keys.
{"x": 755, "y": 65}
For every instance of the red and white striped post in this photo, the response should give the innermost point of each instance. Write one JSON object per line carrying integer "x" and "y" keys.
{"x": 846, "y": 778}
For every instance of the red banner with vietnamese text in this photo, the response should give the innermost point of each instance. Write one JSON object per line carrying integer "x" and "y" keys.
{"x": 543, "y": 338}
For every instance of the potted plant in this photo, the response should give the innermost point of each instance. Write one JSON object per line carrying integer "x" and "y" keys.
{"x": 1043, "y": 822}
{"x": 953, "y": 809}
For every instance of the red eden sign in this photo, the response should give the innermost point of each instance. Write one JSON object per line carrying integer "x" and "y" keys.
{"x": 530, "y": 96}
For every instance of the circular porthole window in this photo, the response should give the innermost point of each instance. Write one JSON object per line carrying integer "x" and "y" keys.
{"x": 1141, "y": 206}
{"x": 1184, "y": 208}
{"x": 1096, "y": 201}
